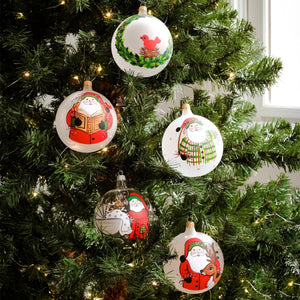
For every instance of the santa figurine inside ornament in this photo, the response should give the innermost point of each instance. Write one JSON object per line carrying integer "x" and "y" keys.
{"x": 86, "y": 121}
{"x": 142, "y": 45}
{"x": 192, "y": 144}
{"x": 123, "y": 212}
{"x": 199, "y": 263}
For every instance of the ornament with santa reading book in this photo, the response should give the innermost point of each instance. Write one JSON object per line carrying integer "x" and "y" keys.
{"x": 123, "y": 212}
{"x": 199, "y": 261}
{"x": 192, "y": 145}
{"x": 86, "y": 121}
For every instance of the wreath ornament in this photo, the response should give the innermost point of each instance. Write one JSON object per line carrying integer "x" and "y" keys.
{"x": 135, "y": 59}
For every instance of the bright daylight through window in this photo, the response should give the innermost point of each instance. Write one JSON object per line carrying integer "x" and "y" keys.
{"x": 284, "y": 42}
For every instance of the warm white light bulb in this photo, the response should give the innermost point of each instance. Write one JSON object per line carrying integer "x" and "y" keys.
{"x": 231, "y": 75}
{"x": 154, "y": 283}
{"x": 291, "y": 283}
{"x": 20, "y": 15}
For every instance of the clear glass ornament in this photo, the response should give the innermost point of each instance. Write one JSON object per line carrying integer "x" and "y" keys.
{"x": 123, "y": 212}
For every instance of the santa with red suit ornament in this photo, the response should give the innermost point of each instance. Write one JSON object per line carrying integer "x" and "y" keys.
{"x": 194, "y": 260}
{"x": 138, "y": 213}
{"x": 89, "y": 119}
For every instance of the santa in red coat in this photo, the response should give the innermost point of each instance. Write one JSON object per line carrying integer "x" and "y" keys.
{"x": 89, "y": 119}
{"x": 194, "y": 260}
{"x": 138, "y": 214}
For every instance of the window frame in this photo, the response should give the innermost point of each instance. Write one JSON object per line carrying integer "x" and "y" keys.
{"x": 258, "y": 13}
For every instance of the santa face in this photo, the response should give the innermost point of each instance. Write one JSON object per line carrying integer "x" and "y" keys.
{"x": 197, "y": 251}
{"x": 197, "y": 258}
{"x": 136, "y": 205}
{"x": 90, "y": 105}
{"x": 195, "y": 133}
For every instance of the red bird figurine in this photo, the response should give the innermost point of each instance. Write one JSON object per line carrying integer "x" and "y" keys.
{"x": 150, "y": 44}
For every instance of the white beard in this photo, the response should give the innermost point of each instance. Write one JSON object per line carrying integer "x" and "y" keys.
{"x": 198, "y": 136}
{"x": 197, "y": 263}
{"x": 136, "y": 207}
{"x": 89, "y": 106}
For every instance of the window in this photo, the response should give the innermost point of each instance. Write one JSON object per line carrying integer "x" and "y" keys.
{"x": 284, "y": 32}
{"x": 278, "y": 28}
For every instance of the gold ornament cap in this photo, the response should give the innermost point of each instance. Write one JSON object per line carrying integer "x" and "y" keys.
{"x": 185, "y": 106}
{"x": 190, "y": 224}
{"x": 190, "y": 228}
{"x": 186, "y": 109}
{"x": 87, "y": 85}
{"x": 143, "y": 10}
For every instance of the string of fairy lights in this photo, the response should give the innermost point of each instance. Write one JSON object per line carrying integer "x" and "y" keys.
{"x": 37, "y": 190}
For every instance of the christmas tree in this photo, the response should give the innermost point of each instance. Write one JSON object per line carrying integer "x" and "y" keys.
{"x": 50, "y": 247}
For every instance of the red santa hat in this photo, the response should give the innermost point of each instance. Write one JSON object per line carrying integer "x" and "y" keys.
{"x": 189, "y": 244}
{"x": 187, "y": 122}
{"x": 97, "y": 97}
{"x": 138, "y": 197}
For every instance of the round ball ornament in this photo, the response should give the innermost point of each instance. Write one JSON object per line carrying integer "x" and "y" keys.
{"x": 192, "y": 145}
{"x": 123, "y": 212}
{"x": 86, "y": 121}
{"x": 142, "y": 45}
{"x": 199, "y": 263}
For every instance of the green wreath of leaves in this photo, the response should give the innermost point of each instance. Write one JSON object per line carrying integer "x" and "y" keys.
{"x": 135, "y": 59}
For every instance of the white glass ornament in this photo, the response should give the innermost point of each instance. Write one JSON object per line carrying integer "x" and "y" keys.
{"x": 86, "y": 121}
{"x": 199, "y": 263}
{"x": 123, "y": 212}
{"x": 142, "y": 45}
{"x": 192, "y": 145}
